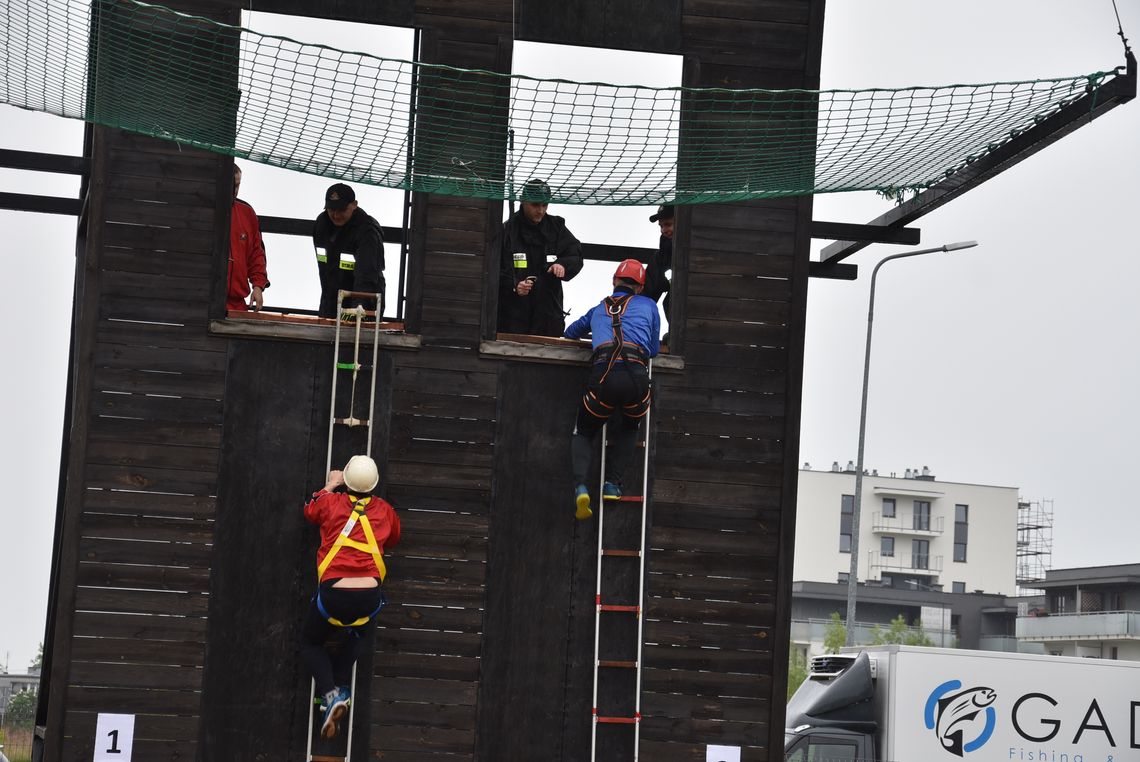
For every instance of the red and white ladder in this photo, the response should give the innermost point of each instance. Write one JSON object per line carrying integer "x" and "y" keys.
{"x": 618, "y": 621}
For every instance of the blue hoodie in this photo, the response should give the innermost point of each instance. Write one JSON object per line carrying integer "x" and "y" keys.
{"x": 641, "y": 324}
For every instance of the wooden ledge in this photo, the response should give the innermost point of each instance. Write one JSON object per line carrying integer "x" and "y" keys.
{"x": 516, "y": 346}
{"x": 318, "y": 330}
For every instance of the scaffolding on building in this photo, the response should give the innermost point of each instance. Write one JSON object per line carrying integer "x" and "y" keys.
{"x": 1034, "y": 543}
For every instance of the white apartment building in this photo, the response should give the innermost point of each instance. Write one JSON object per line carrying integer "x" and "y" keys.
{"x": 915, "y": 532}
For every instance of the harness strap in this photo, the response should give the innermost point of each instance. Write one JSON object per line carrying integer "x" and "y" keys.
{"x": 615, "y": 308}
{"x": 354, "y": 623}
{"x": 343, "y": 540}
{"x": 629, "y": 353}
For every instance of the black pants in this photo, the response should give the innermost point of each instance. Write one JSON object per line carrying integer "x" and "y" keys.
{"x": 624, "y": 390}
{"x": 346, "y": 604}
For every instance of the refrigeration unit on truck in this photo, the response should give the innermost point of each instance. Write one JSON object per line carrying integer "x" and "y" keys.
{"x": 911, "y": 704}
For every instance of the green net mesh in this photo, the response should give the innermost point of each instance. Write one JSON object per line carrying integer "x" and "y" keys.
{"x": 440, "y": 129}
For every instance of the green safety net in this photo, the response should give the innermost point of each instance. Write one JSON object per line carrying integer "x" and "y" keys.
{"x": 432, "y": 128}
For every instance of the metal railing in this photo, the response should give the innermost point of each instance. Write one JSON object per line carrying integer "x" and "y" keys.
{"x": 815, "y": 630}
{"x": 1100, "y": 625}
{"x": 908, "y": 562}
{"x": 905, "y": 525}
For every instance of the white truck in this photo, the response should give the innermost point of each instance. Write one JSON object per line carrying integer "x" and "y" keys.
{"x": 911, "y": 704}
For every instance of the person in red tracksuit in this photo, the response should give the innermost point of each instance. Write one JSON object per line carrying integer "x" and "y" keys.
{"x": 247, "y": 278}
{"x": 355, "y": 527}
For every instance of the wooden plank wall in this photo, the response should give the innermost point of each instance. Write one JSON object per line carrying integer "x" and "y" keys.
{"x": 146, "y": 432}
{"x": 181, "y": 555}
{"x": 728, "y": 430}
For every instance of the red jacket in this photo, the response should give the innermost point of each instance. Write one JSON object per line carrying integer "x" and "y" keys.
{"x": 247, "y": 256}
{"x": 330, "y": 511}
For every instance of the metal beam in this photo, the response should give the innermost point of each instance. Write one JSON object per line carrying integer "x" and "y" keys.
{"x": 42, "y": 162}
{"x": 1093, "y": 104}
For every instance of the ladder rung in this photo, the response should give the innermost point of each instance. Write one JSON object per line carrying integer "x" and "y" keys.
{"x": 625, "y": 553}
{"x": 622, "y": 664}
{"x": 349, "y": 366}
{"x": 612, "y": 607}
{"x": 326, "y": 758}
{"x": 350, "y": 422}
{"x": 619, "y": 720}
{"x": 622, "y": 499}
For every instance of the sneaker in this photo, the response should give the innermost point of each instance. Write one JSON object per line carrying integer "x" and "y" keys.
{"x": 582, "y": 503}
{"x": 611, "y": 491}
{"x": 335, "y": 708}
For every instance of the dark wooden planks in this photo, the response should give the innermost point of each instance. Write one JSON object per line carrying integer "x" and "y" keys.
{"x": 538, "y": 635}
{"x": 263, "y": 567}
{"x": 143, "y": 493}
{"x": 429, "y": 639}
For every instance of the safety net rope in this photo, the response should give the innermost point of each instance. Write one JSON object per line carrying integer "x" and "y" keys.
{"x": 315, "y": 109}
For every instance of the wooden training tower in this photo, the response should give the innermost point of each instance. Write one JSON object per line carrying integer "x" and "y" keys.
{"x": 183, "y": 566}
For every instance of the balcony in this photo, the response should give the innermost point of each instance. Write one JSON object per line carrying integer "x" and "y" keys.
{"x": 904, "y": 562}
{"x": 1100, "y": 625}
{"x": 904, "y": 525}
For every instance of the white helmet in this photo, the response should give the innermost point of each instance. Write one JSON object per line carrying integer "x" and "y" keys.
{"x": 361, "y": 474}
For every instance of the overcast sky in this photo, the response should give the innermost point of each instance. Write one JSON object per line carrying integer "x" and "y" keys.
{"x": 1012, "y": 364}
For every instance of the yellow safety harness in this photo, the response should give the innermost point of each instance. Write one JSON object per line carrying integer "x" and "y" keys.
{"x": 343, "y": 540}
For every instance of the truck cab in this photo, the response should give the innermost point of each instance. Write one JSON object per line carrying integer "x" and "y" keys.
{"x": 831, "y": 717}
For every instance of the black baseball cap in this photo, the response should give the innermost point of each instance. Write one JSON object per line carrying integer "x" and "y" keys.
{"x": 664, "y": 212}
{"x": 536, "y": 192}
{"x": 338, "y": 197}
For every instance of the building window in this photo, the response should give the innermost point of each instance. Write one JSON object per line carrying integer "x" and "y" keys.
{"x": 888, "y": 507}
{"x": 844, "y": 578}
{"x": 274, "y": 191}
{"x": 920, "y": 553}
{"x": 961, "y": 531}
{"x": 886, "y": 580}
{"x": 888, "y": 546}
{"x": 568, "y": 105}
{"x": 958, "y": 587}
{"x": 922, "y": 515}
{"x": 846, "y": 514}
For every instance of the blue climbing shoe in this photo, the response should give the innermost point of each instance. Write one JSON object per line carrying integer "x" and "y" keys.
{"x": 611, "y": 491}
{"x": 335, "y": 707}
{"x": 582, "y": 503}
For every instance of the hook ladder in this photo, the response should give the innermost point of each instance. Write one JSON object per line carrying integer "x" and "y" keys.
{"x": 328, "y": 750}
{"x": 619, "y": 594}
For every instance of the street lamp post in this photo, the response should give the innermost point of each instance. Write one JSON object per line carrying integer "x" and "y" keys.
{"x": 853, "y": 575}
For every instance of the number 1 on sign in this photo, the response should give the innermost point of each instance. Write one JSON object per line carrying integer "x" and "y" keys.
{"x": 114, "y": 737}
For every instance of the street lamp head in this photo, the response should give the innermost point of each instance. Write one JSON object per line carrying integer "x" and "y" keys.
{"x": 959, "y": 245}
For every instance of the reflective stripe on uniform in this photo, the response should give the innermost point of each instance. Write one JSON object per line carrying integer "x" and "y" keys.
{"x": 345, "y": 264}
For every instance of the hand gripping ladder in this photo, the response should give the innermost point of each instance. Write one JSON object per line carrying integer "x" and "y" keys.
{"x": 356, "y": 316}
{"x": 618, "y": 600}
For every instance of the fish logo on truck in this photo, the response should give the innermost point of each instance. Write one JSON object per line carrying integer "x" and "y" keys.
{"x": 963, "y": 720}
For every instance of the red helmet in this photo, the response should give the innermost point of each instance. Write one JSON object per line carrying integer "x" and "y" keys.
{"x": 631, "y": 269}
